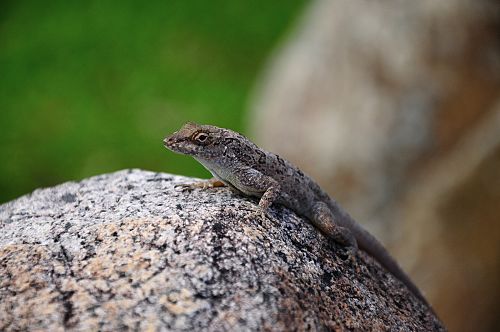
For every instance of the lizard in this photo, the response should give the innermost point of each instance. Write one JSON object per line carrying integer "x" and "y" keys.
{"x": 240, "y": 164}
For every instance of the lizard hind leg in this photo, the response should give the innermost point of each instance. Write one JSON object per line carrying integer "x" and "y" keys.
{"x": 323, "y": 218}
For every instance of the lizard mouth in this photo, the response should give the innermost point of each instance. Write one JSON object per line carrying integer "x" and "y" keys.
{"x": 166, "y": 142}
{"x": 173, "y": 140}
{"x": 176, "y": 145}
{"x": 171, "y": 143}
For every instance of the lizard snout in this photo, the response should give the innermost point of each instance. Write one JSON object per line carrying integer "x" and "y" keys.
{"x": 168, "y": 141}
{"x": 172, "y": 141}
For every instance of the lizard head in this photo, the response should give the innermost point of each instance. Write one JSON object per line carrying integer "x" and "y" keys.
{"x": 196, "y": 140}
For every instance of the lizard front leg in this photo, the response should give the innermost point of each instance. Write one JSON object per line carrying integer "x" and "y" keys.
{"x": 211, "y": 183}
{"x": 253, "y": 183}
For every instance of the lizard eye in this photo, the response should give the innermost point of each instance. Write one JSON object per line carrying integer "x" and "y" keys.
{"x": 200, "y": 137}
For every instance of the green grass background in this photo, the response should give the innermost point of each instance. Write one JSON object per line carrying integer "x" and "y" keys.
{"x": 91, "y": 87}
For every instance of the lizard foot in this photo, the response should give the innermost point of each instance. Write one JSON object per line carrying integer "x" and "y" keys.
{"x": 348, "y": 253}
{"x": 344, "y": 237}
{"x": 262, "y": 213}
{"x": 212, "y": 183}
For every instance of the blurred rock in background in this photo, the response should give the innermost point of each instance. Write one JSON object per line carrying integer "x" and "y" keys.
{"x": 394, "y": 107}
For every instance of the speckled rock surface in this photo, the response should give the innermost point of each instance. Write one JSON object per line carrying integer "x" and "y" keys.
{"x": 129, "y": 251}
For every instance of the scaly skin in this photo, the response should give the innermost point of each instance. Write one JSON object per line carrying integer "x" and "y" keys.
{"x": 243, "y": 166}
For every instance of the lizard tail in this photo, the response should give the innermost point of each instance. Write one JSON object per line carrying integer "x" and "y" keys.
{"x": 374, "y": 248}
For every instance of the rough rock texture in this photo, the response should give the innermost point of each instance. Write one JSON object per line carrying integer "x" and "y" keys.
{"x": 394, "y": 108}
{"x": 128, "y": 250}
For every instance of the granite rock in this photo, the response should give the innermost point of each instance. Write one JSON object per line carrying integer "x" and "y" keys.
{"x": 128, "y": 250}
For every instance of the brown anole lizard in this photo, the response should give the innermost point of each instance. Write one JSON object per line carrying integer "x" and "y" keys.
{"x": 240, "y": 164}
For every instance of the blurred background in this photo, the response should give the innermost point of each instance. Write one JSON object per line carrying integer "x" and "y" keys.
{"x": 88, "y": 87}
{"x": 393, "y": 106}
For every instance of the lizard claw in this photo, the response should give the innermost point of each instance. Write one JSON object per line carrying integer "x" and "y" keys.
{"x": 264, "y": 215}
{"x": 261, "y": 213}
{"x": 351, "y": 253}
{"x": 347, "y": 253}
{"x": 185, "y": 187}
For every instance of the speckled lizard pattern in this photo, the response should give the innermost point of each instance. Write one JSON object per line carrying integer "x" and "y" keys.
{"x": 243, "y": 166}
